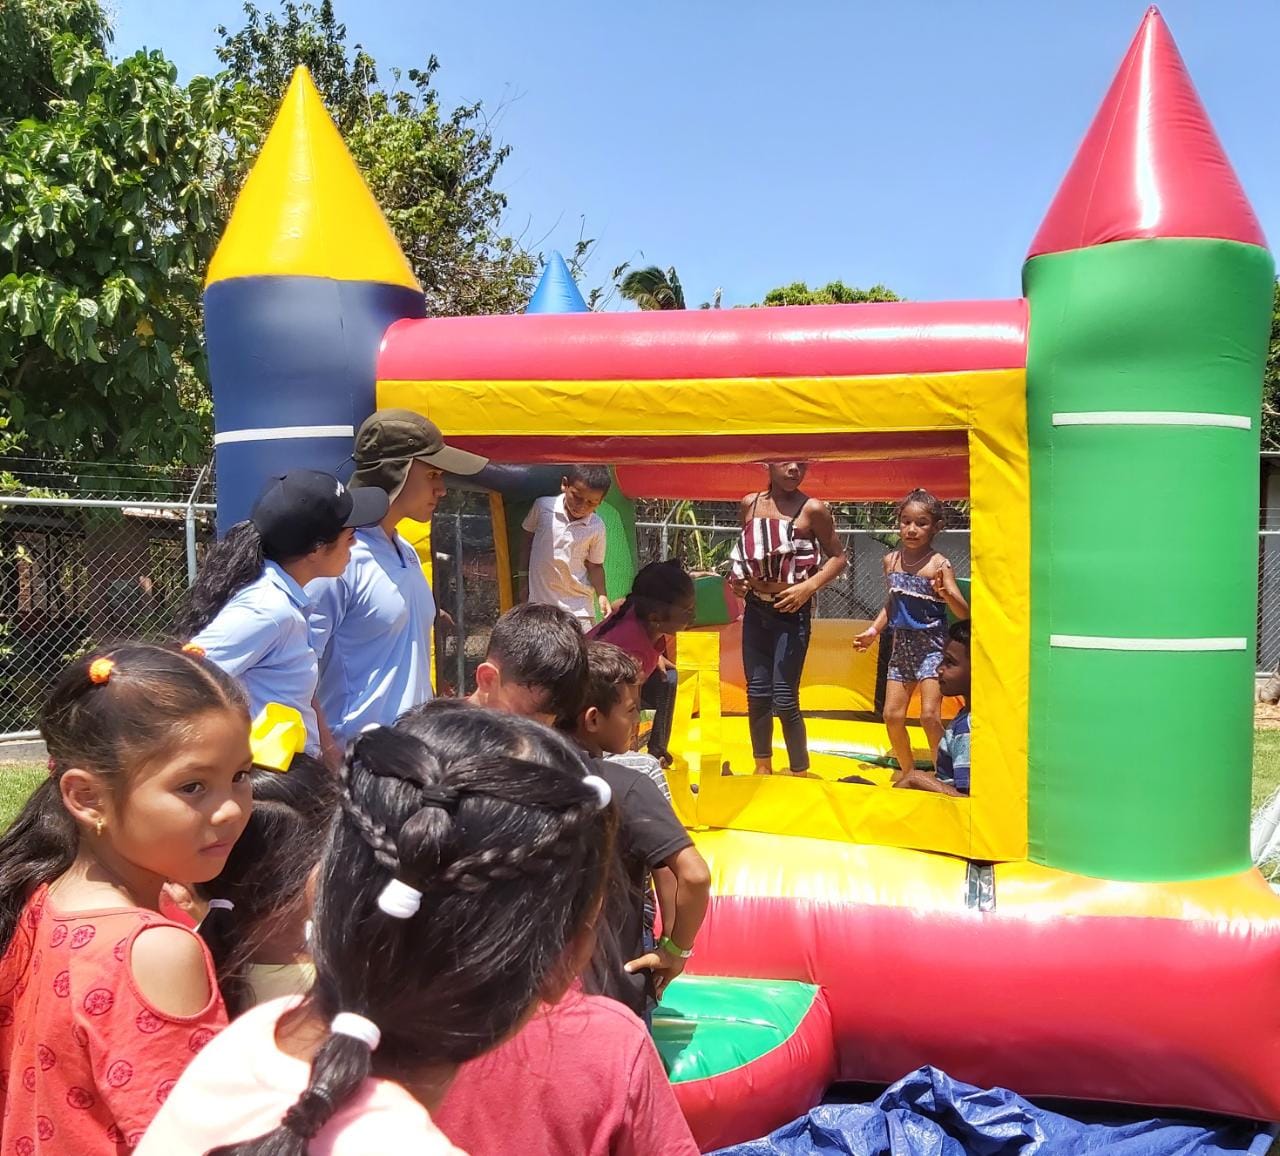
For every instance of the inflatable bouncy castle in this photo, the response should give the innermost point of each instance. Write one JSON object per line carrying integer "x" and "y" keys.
{"x": 1087, "y": 924}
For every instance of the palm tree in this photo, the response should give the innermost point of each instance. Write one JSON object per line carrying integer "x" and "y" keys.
{"x": 651, "y": 288}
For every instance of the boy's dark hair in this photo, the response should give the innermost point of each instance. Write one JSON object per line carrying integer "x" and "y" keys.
{"x": 923, "y": 498}
{"x": 542, "y": 646}
{"x": 489, "y": 817}
{"x": 961, "y": 630}
{"x": 265, "y": 876}
{"x": 152, "y": 700}
{"x": 656, "y": 587}
{"x": 609, "y": 669}
{"x": 596, "y": 478}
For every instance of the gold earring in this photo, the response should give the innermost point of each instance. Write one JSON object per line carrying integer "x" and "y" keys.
{"x": 98, "y": 828}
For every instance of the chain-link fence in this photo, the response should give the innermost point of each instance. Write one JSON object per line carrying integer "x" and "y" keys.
{"x": 89, "y": 556}
{"x": 701, "y": 534}
{"x": 103, "y": 554}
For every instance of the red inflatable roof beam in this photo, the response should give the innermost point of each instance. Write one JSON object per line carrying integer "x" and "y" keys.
{"x": 870, "y": 480}
{"x": 1151, "y": 164}
{"x": 908, "y": 337}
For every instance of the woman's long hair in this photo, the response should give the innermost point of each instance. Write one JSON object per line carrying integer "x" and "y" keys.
{"x": 490, "y": 818}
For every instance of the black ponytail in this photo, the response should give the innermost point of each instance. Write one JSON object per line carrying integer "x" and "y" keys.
{"x": 229, "y": 566}
{"x": 656, "y": 588}
{"x": 265, "y": 876}
{"x": 490, "y": 818}
{"x": 139, "y": 706}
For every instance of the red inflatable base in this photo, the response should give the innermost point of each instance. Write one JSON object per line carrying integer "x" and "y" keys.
{"x": 1159, "y": 1011}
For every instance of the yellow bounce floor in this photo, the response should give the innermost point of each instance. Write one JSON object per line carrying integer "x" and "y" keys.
{"x": 836, "y": 748}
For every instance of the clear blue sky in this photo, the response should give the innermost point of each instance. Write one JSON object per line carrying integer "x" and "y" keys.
{"x": 752, "y": 143}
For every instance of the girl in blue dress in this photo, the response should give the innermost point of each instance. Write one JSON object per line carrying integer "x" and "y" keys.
{"x": 922, "y": 587}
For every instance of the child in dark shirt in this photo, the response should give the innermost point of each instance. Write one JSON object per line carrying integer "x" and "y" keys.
{"x": 650, "y": 839}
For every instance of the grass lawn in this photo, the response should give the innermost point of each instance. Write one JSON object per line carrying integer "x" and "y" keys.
{"x": 1266, "y": 764}
{"x": 17, "y": 781}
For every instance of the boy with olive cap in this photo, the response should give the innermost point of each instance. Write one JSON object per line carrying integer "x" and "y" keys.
{"x": 372, "y": 627}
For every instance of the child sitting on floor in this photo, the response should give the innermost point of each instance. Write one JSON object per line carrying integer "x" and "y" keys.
{"x": 951, "y": 771}
{"x": 650, "y": 839}
{"x": 562, "y": 552}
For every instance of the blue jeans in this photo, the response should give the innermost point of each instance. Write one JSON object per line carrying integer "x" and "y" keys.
{"x": 659, "y": 695}
{"x": 774, "y": 646}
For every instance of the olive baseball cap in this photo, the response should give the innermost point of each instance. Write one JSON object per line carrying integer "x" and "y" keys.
{"x": 390, "y": 439}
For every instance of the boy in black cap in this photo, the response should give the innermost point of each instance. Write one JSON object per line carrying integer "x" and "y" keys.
{"x": 372, "y": 626}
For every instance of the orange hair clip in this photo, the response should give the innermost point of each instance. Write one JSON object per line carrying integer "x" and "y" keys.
{"x": 100, "y": 670}
{"x": 192, "y": 649}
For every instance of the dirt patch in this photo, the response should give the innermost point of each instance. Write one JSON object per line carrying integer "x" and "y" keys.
{"x": 1266, "y": 717}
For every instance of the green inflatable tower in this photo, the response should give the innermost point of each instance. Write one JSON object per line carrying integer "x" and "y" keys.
{"x": 1150, "y": 289}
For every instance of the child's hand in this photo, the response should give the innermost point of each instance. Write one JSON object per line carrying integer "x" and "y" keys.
{"x": 866, "y": 638}
{"x": 662, "y": 963}
{"x": 794, "y": 598}
{"x": 739, "y": 586}
{"x": 940, "y": 579}
{"x": 606, "y": 607}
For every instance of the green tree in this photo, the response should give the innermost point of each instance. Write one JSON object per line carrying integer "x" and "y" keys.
{"x": 651, "y": 288}
{"x": 109, "y": 182}
{"x": 832, "y": 293}
{"x": 1271, "y": 382}
{"x": 432, "y": 171}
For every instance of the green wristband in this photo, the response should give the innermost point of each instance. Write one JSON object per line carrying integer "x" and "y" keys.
{"x": 669, "y": 945}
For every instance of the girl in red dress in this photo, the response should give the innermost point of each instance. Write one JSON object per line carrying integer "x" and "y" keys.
{"x": 103, "y": 1001}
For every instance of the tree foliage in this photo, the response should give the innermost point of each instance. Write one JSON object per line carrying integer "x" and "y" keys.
{"x": 651, "y": 287}
{"x": 832, "y": 293}
{"x": 432, "y": 171}
{"x": 1271, "y": 381}
{"x": 109, "y": 179}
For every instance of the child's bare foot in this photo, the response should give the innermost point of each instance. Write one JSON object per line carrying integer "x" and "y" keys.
{"x": 725, "y": 771}
{"x": 764, "y": 766}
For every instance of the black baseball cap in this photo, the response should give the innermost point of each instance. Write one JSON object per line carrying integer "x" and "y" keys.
{"x": 299, "y": 510}
{"x": 390, "y": 439}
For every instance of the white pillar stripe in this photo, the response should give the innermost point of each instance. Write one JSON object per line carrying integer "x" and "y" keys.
{"x": 283, "y": 433}
{"x": 1105, "y": 642}
{"x": 1154, "y": 417}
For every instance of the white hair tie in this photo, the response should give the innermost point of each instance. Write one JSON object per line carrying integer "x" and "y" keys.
{"x": 364, "y": 730}
{"x": 221, "y": 905}
{"x": 601, "y": 788}
{"x": 358, "y": 1028}
{"x": 399, "y": 900}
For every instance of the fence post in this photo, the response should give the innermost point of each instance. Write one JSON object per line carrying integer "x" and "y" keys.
{"x": 459, "y": 605}
{"x": 191, "y": 524}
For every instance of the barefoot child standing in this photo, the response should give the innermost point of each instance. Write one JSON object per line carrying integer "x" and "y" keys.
{"x": 922, "y": 587}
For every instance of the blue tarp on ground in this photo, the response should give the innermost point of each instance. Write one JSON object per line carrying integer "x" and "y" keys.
{"x": 929, "y": 1114}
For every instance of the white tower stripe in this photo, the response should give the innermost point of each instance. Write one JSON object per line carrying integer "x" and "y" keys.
{"x": 1154, "y": 417}
{"x": 283, "y": 433}
{"x": 1104, "y": 642}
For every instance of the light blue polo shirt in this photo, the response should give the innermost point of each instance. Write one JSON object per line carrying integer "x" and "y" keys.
{"x": 372, "y": 630}
{"x": 263, "y": 638}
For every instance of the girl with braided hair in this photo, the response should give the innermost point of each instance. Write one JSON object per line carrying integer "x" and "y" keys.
{"x": 459, "y": 889}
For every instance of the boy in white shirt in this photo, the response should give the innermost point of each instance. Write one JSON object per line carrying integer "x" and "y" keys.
{"x": 562, "y": 555}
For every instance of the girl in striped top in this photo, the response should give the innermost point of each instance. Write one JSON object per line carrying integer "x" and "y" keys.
{"x": 777, "y": 568}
